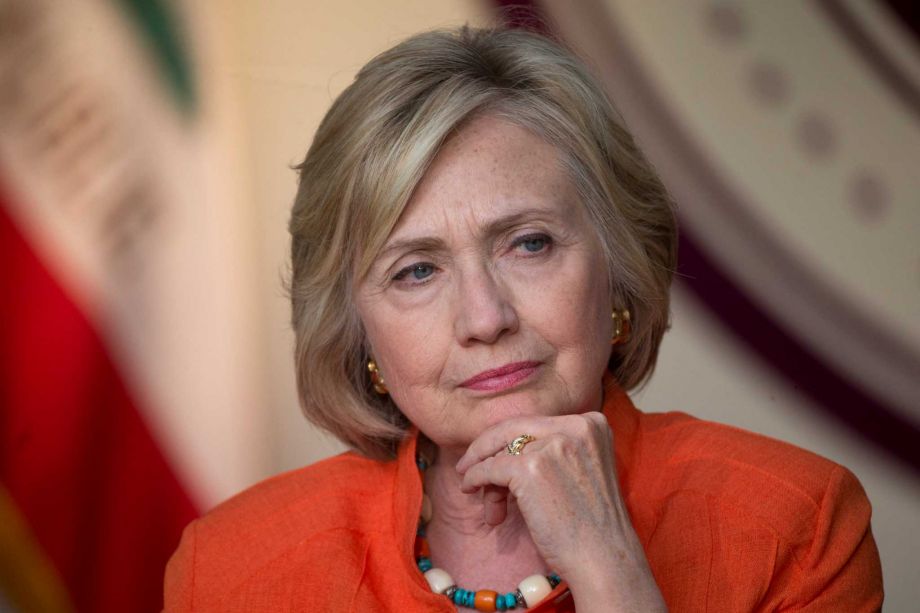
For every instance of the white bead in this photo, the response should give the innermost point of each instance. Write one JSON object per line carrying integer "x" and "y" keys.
{"x": 438, "y": 580}
{"x": 426, "y": 508}
{"x": 534, "y": 589}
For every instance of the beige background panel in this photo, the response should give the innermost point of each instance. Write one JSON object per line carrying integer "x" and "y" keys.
{"x": 290, "y": 59}
{"x": 805, "y": 200}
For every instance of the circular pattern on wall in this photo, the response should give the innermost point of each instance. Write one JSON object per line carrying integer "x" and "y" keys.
{"x": 789, "y": 134}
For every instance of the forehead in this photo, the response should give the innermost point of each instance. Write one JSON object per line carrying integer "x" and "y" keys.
{"x": 490, "y": 167}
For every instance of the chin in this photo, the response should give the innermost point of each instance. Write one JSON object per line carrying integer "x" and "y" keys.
{"x": 521, "y": 404}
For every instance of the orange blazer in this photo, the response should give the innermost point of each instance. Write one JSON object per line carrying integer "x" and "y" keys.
{"x": 730, "y": 521}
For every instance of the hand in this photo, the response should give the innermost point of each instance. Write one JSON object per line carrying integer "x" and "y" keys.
{"x": 565, "y": 486}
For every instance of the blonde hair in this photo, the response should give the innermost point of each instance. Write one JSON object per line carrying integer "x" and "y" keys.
{"x": 372, "y": 149}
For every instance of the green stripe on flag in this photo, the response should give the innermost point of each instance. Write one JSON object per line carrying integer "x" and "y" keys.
{"x": 160, "y": 25}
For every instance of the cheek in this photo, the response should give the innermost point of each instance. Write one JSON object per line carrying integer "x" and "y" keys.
{"x": 571, "y": 308}
{"x": 409, "y": 350}
{"x": 412, "y": 371}
{"x": 584, "y": 343}
{"x": 581, "y": 332}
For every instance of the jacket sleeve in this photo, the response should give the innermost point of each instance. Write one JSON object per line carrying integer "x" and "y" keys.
{"x": 841, "y": 570}
{"x": 179, "y": 581}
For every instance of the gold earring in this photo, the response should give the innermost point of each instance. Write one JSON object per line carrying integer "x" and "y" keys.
{"x": 376, "y": 378}
{"x": 620, "y": 327}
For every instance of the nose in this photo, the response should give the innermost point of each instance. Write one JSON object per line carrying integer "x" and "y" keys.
{"x": 483, "y": 309}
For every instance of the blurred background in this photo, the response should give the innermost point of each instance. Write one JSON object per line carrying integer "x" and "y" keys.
{"x": 145, "y": 182}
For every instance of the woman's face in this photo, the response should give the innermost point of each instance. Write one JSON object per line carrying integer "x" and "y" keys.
{"x": 490, "y": 298}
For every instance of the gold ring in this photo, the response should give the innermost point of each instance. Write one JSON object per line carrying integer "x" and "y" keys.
{"x": 516, "y": 446}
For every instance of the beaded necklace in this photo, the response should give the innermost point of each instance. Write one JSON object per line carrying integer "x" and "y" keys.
{"x": 530, "y": 591}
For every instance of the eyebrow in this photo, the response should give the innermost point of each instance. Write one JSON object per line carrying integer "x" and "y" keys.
{"x": 424, "y": 243}
{"x": 493, "y": 228}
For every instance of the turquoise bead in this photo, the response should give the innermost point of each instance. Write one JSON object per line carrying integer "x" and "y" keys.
{"x": 465, "y": 598}
{"x": 424, "y": 564}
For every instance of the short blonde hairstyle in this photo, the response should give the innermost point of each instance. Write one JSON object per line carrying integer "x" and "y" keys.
{"x": 372, "y": 149}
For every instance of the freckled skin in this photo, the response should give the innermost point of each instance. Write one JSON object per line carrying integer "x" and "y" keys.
{"x": 486, "y": 304}
{"x": 494, "y": 262}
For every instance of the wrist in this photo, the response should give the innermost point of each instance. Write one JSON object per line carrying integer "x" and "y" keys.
{"x": 623, "y": 587}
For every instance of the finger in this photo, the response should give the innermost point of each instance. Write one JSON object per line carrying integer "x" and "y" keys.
{"x": 499, "y": 470}
{"x": 494, "y": 440}
{"x": 495, "y": 504}
{"x": 484, "y": 473}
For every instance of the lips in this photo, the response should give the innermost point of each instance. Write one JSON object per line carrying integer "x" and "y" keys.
{"x": 502, "y": 377}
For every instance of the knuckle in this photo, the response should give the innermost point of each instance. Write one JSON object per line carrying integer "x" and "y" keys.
{"x": 533, "y": 465}
{"x": 598, "y": 418}
{"x": 555, "y": 444}
{"x": 600, "y": 428}
{"x": 581, "y": 425}
{"x": 584, "y": 427}
{"x": 565, "y": 446}
{"x": 570, "y": 448}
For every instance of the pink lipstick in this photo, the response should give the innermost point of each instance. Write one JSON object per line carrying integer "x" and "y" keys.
{"x": 501, "y": 378}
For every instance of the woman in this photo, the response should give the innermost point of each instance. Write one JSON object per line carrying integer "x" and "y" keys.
{"x": 481, "y": 260}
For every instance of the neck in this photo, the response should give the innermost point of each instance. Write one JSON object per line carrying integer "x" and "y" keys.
{"x": 458, "y": 512}
{"x": 476, "y": 554}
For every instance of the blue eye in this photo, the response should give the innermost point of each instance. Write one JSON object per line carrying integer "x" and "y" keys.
{"x": 533, "y": 243}
{"x": 419, "y": 272}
